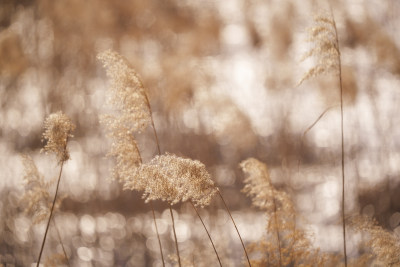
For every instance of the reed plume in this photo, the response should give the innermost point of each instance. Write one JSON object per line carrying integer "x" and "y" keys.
{"x": 174, "y": 179}
{"x": 166, "y": 177}
{"x": 285, "y": 244}
{"x": 326, "y": 52}
{"x": 36, "y": 196}
{"x": 383, "y": 245}
{"x": 58, "y": 127}
{"x": 128, "y": 98}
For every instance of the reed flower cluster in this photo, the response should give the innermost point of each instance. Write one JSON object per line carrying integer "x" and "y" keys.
{"x": 325, "y": 48}
{"x": 58, "y": 128}
{"x": 285, "y": 243}
{"x": 36, "y": 197}
{"x": 383, "y": 245}
{"x": 174, "y": 179}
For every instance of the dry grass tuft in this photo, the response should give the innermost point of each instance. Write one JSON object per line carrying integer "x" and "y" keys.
{"x": 174, "y": 179}
{"x": 325, "y": 50}
{"x": 384, "y": 246}
{"x": 58, "y": 128}
{"x": 284, "y": 244}
{"x": 36, "y": 195}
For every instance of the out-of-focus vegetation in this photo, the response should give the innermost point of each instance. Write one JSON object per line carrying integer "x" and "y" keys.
{"x": 222, "y": 80}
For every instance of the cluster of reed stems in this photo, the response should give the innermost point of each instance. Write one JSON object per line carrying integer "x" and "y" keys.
{"x": 173, "y": 179}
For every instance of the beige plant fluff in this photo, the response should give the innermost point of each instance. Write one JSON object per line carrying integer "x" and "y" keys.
{"x": 259, "y": 187}
{"x": 325, "y": 50}
{"x": 166, "y": 177}
{"x": 128, "y": 98}
{"x": 58, "y": 128}
{"x": 36, "y": 197}
{"x": 385, "y": 246}
{"x": 174, "y": 179}
{"x": 127, "y": 94}
{"x": 285, "y": 243}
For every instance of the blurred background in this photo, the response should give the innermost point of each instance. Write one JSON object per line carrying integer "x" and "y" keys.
{"x": 222, "y": 81}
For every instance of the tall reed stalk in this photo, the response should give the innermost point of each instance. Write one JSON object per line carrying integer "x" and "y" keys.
{"x": 342, "y": 139}
{"x": 237, "y": 230}
{"x": 326, "y": 51}
{"x": 51, "y": 214}
{"x": 58, "y": 128}
{"x": 159, "y": 153}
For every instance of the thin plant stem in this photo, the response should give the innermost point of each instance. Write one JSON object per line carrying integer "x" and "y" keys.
{"x": 158, "y": 235}
{"x": 176, "y": 240}
{"x": 159, "y": 153}
{"x": 51, "y": 214}
{"x": 62, "y": 244}
{"x": 277, "y": 232}
{"x": 309, "y": 128}
{"x": 316, "y": 121}
{"x": 209, "y": 236}
{"x": 233, "y": 221}
{"x": 342, "y": 140}
{"x": 152, "y": 124}
{"x": 154, "y": 217}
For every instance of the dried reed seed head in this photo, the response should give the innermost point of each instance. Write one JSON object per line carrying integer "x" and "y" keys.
{"x": 325, "y": 49}
{"x": 128, "y": 94}
{"x": 123, "y": 149}
{"x": 258, "y": 186}
{"x": 174, "y": 179}
{"x": 36, "y": 197}
{"x": 132, "y": 114}
{"x": 385, "y": 245}
{"x": 293, "y": 247}
{"x": 58, "y": 128}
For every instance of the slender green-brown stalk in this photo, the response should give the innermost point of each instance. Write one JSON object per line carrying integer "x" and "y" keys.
{"x": 342, "y": 140}
{"x": 209, "y": 236}
{"x": 233, "y": 221}
{"x": 51, "y": 214}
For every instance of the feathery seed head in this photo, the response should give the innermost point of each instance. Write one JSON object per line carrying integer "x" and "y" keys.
{"x": 128, "y": 98}
{"x": 123, "y": 149}
{"x": 383, "y": 244}
{"x": 36, "y": 196}
{"x": 325, "y": 48}
{"x": 259, "y": 187}
{"x": 58, "y": 128}
{"x": 128, "y": 94}
{"x": 173, "y": 179}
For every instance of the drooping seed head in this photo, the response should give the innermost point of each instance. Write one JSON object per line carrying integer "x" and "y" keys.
{"x": 174, "y": 179}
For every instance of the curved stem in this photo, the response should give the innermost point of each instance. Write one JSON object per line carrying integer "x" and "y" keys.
{"x": 233, "y": 221}
{"x": 158, "y": 235}
{"x": 51, "y": 214}
{"x": 342, "y": 139}
{"x": 176, "y": 240}
{"x": 205, "y": 228}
